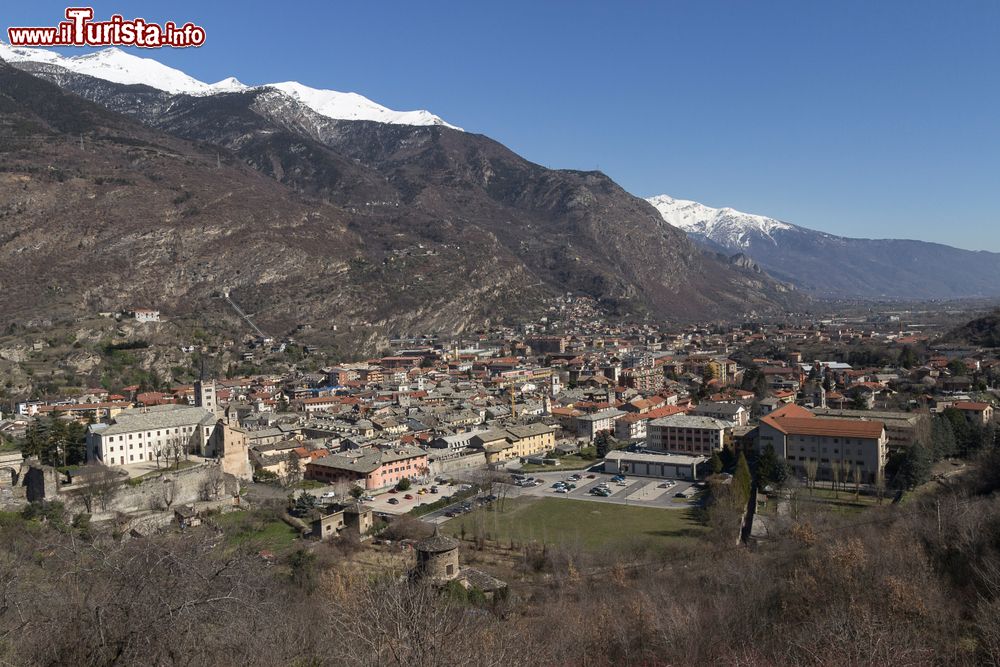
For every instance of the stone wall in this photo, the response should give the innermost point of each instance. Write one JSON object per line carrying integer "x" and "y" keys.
{"x": 435, "y": 565}
{"x": 446, "y": 466}
{"x": 167, "y": 489}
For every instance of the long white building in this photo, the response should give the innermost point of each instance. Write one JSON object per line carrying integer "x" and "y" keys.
{"x": 143, "y": 434}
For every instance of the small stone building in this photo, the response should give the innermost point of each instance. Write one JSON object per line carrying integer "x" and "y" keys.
{"x": 355, "y": 517}
{"x": 438, "y": 562}
{"x": 437, "y": 558}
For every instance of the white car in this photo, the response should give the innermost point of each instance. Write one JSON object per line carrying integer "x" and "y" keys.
{"x": 329, "y": 495}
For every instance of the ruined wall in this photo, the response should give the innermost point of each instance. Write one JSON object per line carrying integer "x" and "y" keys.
{"x": 168, "y": 489}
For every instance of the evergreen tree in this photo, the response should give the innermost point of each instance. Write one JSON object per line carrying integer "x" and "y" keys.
{"x": 716, "y": 463}
{"x": 915, "y": 467}
{"x": 907, "y": 357}
{"x": 742, "y": 479}
{"x": 728, "y": 458}
{"x": 767, "y": 464}
{"x": 942, "y": 438}
{"x": 603, "y": 444}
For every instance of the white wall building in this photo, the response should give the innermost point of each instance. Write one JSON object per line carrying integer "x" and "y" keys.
{"x": 144, "y": 434}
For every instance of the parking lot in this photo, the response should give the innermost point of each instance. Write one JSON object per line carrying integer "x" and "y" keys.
{"x": 639, "y": 491}
{"x": 401, "y": 502}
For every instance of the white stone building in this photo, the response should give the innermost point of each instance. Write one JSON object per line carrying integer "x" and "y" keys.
{"x": 144, "y": 434}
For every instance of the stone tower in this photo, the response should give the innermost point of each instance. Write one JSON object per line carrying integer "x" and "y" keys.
{"x": 437, "y": 558}
{"x": 205, "y": 396}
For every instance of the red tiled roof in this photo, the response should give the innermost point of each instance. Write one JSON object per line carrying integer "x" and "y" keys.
{"x": 796, "y": 420}
{"x": 970, "y": 405}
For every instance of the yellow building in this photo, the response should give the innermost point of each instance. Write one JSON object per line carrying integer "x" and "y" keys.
{"x": 515, "y": 442}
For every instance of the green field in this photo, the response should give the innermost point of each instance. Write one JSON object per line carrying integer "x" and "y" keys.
{"x": 569, "y": 462}
{"x": 259, "y": 530}
{"x": 590, "y": 524}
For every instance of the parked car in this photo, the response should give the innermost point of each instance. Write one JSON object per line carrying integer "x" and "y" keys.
{"x": 434, "y": 489}
{"x": 367, "y": 498}
{"x": 393, "y": 501}
{"x": 591, "y": 476}
{"x": 562, "y": 489}
{"x": 408, "y": 496}
{"x": 329, "y": 495}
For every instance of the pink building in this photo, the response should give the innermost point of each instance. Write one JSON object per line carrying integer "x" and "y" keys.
{"x": 370, "y": 468}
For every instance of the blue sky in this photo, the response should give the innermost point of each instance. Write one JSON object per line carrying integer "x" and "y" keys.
{"x": 860, "y": 118}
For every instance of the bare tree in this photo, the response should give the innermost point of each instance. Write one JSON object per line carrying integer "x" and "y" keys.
{"x": 293, "y": 469}
{"x": 100, "y": 484}
{"x": 213, "y": 484}
{"x": 811, "y": 468}
{"x": 168, "y": 491}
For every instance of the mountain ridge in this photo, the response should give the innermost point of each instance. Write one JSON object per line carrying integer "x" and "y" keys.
{"x": 118, "y": 66}
{"x": 440, "y": 230}
{"x": 832, "y": 266}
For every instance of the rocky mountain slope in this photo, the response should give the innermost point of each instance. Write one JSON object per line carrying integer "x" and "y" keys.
{"x": 314, "y": 219}
{"x": 835, "y": 266}
{"x": 101, "y": 213}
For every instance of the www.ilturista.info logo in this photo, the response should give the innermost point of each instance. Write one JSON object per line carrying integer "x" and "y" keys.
{"x": 81, "y": 30}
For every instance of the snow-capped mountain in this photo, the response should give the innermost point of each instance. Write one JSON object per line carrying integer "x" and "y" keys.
{"x": 726, "y": 226}
{"x": 836, "y": 266}
{"x": 118, "y": 66}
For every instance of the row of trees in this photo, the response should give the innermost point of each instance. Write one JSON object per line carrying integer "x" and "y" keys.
{"x": 56, "y": 442}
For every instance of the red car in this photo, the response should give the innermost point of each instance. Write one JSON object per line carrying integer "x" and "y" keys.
{"x": 408, "y": 496}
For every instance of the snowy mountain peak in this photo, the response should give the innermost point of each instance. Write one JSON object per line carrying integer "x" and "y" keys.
{"x": 351, "y": 106}
{"x": 119, "y": 66}
{"x": 726, "y": 226}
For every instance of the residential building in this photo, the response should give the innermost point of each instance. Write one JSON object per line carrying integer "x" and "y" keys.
{"x": 731, "y": 412}
{"x": 687, "y": 434}
{"x": 903, "y": 428}
{"x": 975, "y": 413}
{"x": 588, "y": 426}
{"x": 834, "y": 446}
{"x": 370, "y": 467}
{"x": 515, "y": 442}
